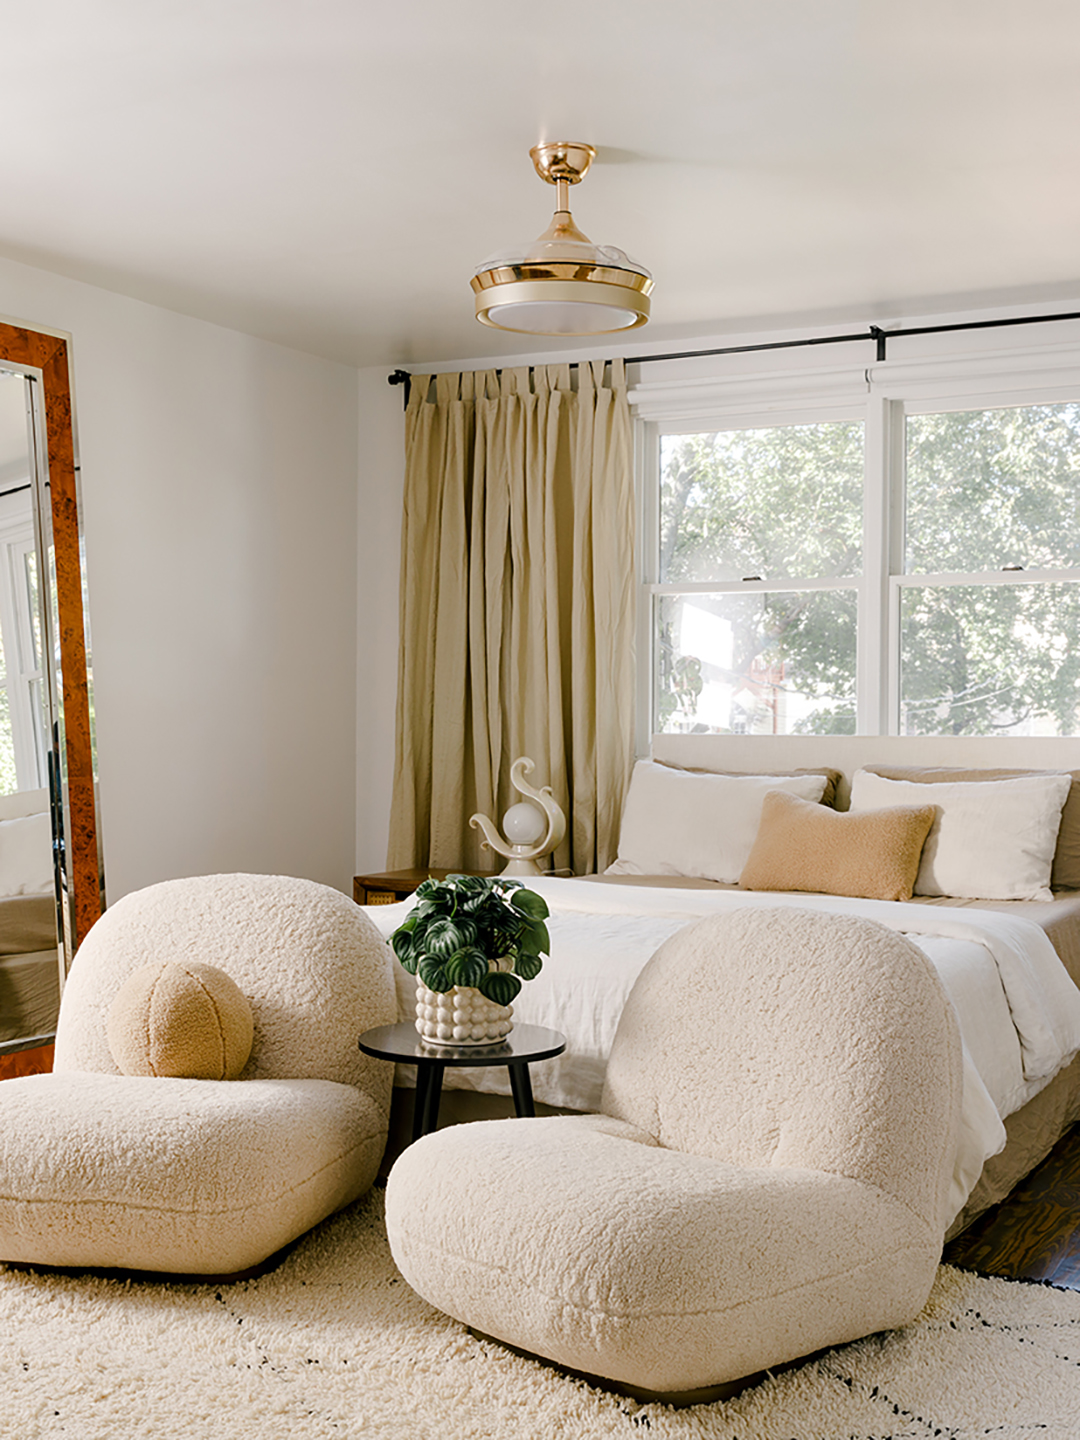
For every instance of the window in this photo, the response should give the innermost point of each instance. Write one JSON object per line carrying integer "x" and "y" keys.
{"x": 989, "y": 603}
{"x": 760, "y": 558}
{"x": 913, "y": 568}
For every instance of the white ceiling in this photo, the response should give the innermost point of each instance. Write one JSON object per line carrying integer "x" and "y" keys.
{"x": 327, "y": 173}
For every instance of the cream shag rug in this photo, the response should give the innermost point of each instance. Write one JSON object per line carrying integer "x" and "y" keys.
{"x": 334, "y": 1344}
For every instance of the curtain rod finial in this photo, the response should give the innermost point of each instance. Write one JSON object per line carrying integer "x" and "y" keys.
{"x": 400, "y": 377}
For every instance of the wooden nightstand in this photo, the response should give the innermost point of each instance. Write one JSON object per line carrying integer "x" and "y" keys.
{"x": 394, "y": 885}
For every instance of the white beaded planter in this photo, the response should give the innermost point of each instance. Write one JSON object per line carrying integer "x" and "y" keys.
{"x": 461, "y": 1016}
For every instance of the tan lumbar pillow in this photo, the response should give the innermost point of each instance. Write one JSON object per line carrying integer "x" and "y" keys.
{"x": 189, "y": 1021}
{"x": 801, "y": 846}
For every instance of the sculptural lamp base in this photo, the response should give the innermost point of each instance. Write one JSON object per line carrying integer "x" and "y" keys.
{"x": 461, "y": 1016}
{"x": 535, "y": 827}
{"x": 521, "y": 867}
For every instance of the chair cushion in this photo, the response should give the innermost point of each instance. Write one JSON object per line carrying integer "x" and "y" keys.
{"x": 669, "y": 1271}
{"x": 187, "y": 1176}
{"x": 189, "y": 1021}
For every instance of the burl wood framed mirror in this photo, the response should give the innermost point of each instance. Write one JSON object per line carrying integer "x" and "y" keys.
{"x": 51, "y": 877}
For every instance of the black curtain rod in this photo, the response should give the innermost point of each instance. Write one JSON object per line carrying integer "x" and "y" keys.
{"x": 873, "y": 332}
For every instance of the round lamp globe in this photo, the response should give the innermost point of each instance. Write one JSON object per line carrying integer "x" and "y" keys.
{"x": 524, "y": 824}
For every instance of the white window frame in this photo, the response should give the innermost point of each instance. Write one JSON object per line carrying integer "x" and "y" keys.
{"x": 882, "y": 396}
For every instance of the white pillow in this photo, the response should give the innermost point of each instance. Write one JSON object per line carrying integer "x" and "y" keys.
{"x": 26, "y": 866}
{"x": 682, "y": 822}
{"x": 992, "y": 839}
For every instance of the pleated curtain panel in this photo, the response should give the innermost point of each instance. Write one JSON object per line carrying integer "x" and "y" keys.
{"x": 517, "y": 618}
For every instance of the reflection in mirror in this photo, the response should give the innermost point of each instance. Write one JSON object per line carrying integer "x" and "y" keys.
{"x": 51, "y": 878}
{"x": 30, "y": 957}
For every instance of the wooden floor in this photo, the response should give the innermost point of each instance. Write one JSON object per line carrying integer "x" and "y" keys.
{"x": 26, "y": 1062}
{"x": 1034, "y": 1234}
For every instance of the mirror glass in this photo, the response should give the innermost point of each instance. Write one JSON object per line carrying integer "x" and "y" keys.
{"x": 30, "y": 945}
{"x": 51, "y": 879}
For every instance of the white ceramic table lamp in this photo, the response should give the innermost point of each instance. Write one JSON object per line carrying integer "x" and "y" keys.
{"x": 533, "y": 827}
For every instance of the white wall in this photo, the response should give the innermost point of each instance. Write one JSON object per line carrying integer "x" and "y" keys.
{"x": 243, "y": 510}
{"x": 382, "y": 460}
{"x": 219, "y": 489}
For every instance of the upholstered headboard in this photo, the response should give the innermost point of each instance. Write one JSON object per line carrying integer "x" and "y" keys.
{"x": 775, "y": 753}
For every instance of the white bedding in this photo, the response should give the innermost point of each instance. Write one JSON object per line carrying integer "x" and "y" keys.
{"x": 1018, "y": 1010}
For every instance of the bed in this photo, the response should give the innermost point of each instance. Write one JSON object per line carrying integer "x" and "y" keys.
{"x": 29, "y": 958}
{"x": 1010, "y": 966}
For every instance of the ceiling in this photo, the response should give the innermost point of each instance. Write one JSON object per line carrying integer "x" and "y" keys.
{"x": 328, "y": 173}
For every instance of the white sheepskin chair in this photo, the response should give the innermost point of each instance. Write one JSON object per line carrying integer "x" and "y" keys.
{"x": 99, "y": 1168}
{"x": 769, "y": 1177}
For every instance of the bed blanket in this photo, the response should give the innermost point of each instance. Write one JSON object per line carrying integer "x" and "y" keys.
{"x": 1018, "y": 1010}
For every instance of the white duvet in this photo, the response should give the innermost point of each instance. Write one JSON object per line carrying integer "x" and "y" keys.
{"x": 1018, "y": 1010}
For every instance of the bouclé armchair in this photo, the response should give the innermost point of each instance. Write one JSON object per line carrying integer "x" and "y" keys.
{"x": 769, "y": 1177}
{"x": 198, "y": 1176}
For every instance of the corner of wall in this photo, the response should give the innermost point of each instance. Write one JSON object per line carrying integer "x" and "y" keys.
{"x": 380, "y": 483}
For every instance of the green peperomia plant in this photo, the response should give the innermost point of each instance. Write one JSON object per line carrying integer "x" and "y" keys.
{"x": 464, "y": 926}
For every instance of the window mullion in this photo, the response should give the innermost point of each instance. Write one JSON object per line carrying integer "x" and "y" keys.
{"x": 881, "y": 543}
{"x": 647, "y": 468}
{"x": 951, "y": 579}
{"x": 782, "y": 585}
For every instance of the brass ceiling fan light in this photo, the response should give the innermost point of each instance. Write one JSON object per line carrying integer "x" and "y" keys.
{"x": 561, "y": 283}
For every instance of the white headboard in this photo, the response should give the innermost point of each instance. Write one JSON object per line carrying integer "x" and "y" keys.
{"x": 776, "y": 753}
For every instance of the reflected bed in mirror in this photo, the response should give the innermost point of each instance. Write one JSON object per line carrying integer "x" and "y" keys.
{"x": 50, "y": 869}
{"x": 29, "y": 949}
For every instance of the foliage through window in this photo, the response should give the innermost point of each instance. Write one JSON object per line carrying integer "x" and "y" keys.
{"x": 744, "y": 510}
{"x": 990, "y": 634}
{"x": 760, "y": 588}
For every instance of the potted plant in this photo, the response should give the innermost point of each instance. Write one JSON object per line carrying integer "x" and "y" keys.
{"x": 470, "y": 941}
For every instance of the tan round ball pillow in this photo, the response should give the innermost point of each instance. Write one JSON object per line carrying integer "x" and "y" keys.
{"x": 189, "y": 1021}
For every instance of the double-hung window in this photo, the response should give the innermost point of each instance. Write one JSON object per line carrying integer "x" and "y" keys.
{"x": 895, "y": 565}
{"x": 987, "y": 607}
{"x": 760, "y": 558}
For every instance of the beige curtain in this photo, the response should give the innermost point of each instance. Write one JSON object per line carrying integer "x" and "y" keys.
{"x": 517, "y": 623}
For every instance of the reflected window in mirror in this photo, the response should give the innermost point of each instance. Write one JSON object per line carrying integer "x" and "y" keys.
{"x": 23, "y": 712}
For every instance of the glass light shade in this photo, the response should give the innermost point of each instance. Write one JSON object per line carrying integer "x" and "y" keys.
{"x": 557, "y": 250}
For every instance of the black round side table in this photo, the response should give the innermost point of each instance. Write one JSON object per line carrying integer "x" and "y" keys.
{"x": 403, "y": 1045}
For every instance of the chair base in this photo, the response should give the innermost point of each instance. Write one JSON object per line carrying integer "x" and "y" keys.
{"x": 665, "y": 1273}
{"x": 673, "y": 1399}
{"x": 187, "y": 1177}
{"x": 152, "y": 1277}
